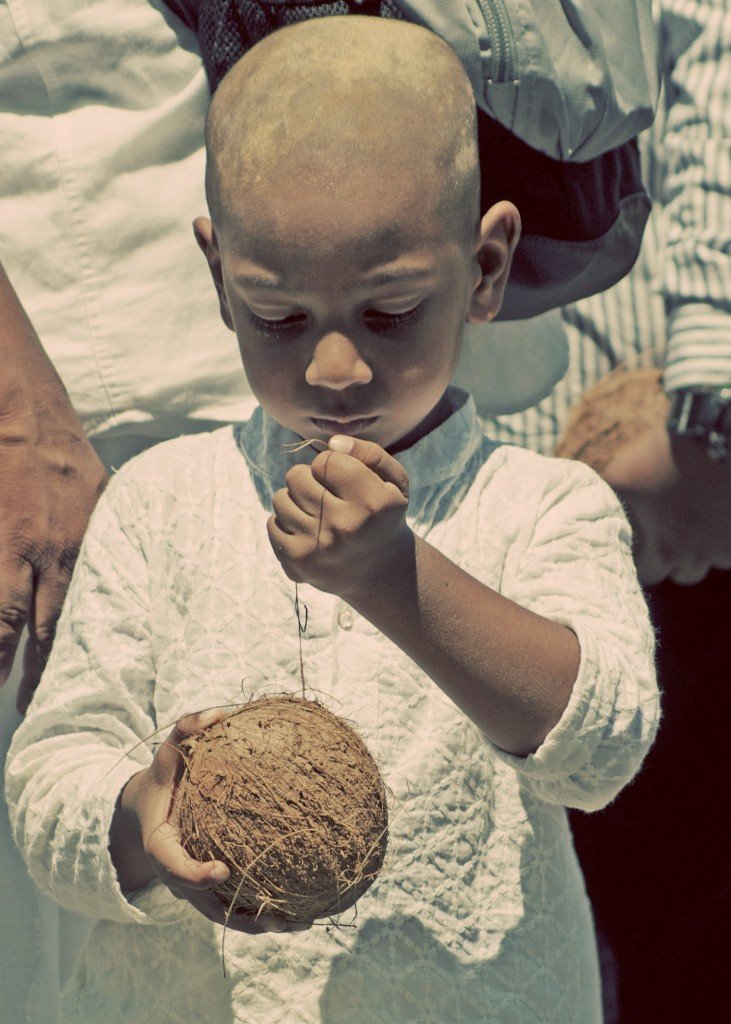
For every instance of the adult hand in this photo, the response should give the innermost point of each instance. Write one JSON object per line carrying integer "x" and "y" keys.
{"x": 147, "y": 801}
{"x": 50, "y": 479}
{"x": 341, "y": 521}
{"x": 679, "y": 503}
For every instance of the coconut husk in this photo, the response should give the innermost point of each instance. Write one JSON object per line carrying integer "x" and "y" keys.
{"x": 289, "y": 797}
{"x": 623, "y": 405}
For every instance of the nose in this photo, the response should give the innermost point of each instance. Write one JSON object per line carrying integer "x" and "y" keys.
{"x": 336, "y": 363}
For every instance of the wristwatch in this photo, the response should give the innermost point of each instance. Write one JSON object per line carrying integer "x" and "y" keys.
{"x": 704, "y": 416}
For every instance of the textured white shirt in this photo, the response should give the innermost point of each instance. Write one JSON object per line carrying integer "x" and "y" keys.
{"x": 178, "y": 603}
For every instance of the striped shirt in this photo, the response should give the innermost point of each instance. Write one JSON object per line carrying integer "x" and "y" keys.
{"x": 674, "y": 309}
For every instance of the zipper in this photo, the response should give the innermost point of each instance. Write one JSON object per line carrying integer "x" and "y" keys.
{"x": 502, "y": 39}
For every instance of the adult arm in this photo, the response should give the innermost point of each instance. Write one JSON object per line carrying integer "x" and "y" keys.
{"x": 678, "y": 498}
{"x": 50, "y": 479}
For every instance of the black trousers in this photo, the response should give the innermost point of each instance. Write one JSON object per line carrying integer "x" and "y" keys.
{"x": 657, "y": 861}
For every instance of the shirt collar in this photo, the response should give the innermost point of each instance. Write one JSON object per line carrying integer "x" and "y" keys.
{"x": 432, "y": 462}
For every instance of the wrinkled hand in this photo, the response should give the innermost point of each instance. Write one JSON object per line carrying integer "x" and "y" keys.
{"x": 679, "y": 503}
{"x": 149, "y": 798}
{"x": 340, "y": 522}
{"x": 50, "y": 480}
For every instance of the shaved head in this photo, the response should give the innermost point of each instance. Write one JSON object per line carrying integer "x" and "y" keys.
{"x": 338, "y": 100}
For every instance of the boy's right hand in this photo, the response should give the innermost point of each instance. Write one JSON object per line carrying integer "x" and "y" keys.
{"x": 146, "y": 804}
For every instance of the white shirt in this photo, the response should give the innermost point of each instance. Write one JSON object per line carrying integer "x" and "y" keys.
{"x": 178, "y": 603}
{"x": 102, "y": 105}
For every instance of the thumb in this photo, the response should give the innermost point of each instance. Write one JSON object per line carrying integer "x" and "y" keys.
{"x": 375, "y": 458}
{"x": 167, "y": 763}
{"x": 644, "y": 464}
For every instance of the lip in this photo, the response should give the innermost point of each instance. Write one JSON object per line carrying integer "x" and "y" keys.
{"x": 352, "y": 425}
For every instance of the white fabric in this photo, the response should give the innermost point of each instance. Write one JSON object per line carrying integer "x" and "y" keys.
{"x": 101, "y": 134}
{"x": 178, "y": 603}
{"x": 39, "y": 941}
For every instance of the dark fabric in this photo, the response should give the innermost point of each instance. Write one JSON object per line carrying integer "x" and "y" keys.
{"x": 657, "y": 861}
{"x": 228, "y": 28}
{"x": 556, "y": 199}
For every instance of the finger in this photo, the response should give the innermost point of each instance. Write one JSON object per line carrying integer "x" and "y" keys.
{"x": 255, "y": 924}
{"x": 174, "y": 865}
{"x": 690, "y": 572}
{"x": 43, "y": 616}
{"x": 199, "y": 720}
{"x": 241, "y": 921}
{"x": 304, "y": 490}
{"x": 167, "y": 758}
{"x": 50, "y": 592}
{"x": 290, "y": 516}
{"x": 212, "y": 906}
{"x": 16, "y": 598}
{"x": 652, "y": 564}
{"x": 281, "y": 543}
{"x": 32, "y": 670}
{"x": 374, "y": 457}
{"x": 642, "y": 465}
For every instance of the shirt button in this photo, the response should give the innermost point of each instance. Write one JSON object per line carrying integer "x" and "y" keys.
{"x": 345, "y": 619}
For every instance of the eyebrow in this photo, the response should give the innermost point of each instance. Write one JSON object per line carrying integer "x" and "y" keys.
{"x": 376, "y": 279}
{"x": 398, "y": 274}
{"x": 258, "y": 282}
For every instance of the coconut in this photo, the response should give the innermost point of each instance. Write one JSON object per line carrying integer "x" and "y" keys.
{"x": 621, "y": 407}
{"x": 287, "y": 795}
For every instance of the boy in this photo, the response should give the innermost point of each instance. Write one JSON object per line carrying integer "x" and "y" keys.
{"x": 473, "y": 609}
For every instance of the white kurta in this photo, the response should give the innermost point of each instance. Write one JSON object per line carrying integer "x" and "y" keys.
{"x": 178, "y": 603}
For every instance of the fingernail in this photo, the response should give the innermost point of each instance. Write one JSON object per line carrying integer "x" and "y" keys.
{"x": 220, "y": 871}
{"x": 342, "y": 443}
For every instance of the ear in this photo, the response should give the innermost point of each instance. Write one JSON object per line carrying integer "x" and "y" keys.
{"x": 205, "y": 236}
{"x": 498, "y": 236}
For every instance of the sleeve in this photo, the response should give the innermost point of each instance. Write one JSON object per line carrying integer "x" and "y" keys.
{"x": 85, "y": 732}
{"x": 696, "y": 270}
{"x": 577, "y": 570}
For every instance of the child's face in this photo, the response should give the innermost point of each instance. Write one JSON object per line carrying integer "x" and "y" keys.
{"x": 348, "y": 305}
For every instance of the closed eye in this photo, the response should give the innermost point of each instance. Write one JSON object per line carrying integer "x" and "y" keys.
{"x": 277, "y": 326}
{"x": 378, "y": 320}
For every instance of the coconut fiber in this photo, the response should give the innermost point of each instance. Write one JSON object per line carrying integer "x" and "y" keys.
{"x": 287, "y": 795}
{"x": 623, "y": 405}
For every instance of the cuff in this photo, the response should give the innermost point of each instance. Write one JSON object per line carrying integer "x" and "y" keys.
{"x": 579, "y": 730}
{"x": 153, "y": 904}
{"x": 699, "y": 348}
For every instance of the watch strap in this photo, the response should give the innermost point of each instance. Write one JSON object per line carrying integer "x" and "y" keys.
{"x": 704, "y": 416}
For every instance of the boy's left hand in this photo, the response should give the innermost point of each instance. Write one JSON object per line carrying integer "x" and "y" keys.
{"x": 339, "y": 524}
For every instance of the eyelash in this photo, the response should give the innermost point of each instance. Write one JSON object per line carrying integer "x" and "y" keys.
{"x": 376, "y": 321}
{"x": 274, "y": 326}
{"x": 391, "y": 321}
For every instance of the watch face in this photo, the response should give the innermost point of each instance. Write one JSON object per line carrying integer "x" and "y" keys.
{"x": 705, "y": 417}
